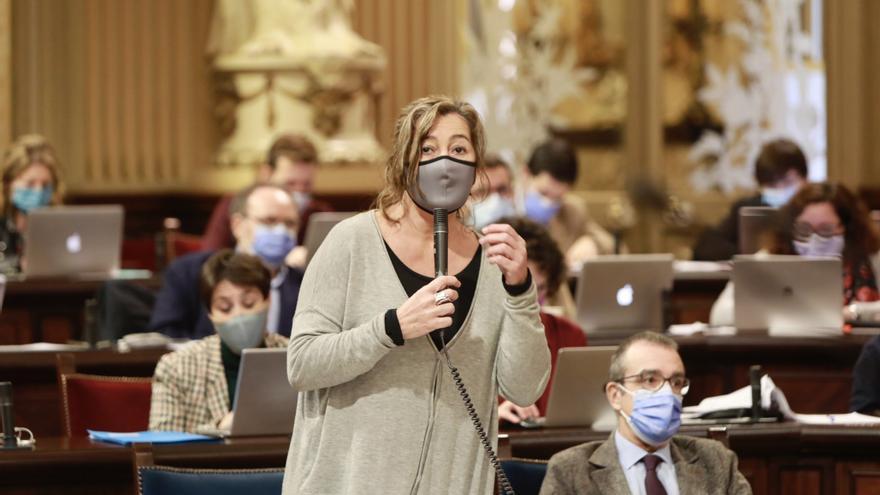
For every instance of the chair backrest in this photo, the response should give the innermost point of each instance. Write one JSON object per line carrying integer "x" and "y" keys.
{"x": 178, "y": 243}
{"x": 525, "y": 475}
{"x": 108, "y": 403}
{"x": 155, "y": 480}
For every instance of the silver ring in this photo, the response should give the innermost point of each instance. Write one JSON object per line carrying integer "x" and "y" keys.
{"x": 441, "y": 297}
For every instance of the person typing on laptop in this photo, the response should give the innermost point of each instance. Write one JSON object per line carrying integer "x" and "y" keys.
{"x": 780, "y": 171}
{"x": 824, "y": 219}
{"x": 264, "y": 223}
{"x": 193, "y": 387}
{"x": 644, "y": 455}
{"x": 31, "y": 180}
{"x": 547, "y": 265}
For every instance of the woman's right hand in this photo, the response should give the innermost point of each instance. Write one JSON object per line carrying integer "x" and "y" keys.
{"x": 421, "y": 314}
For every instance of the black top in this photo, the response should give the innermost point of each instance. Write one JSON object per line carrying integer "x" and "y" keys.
{"x": 865, "y": 397}
{"x": 722, "y": 242}
{"x": 413, "y": 281}
{"x": 10, "y": 246}
{"x": 231, "y": 363}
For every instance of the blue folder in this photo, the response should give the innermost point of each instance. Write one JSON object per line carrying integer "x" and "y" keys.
{"x": 148, "y": 437}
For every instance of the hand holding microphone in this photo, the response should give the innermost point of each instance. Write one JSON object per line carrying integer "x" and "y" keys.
{"x": 506, "y": 249}
{"x": 429, "y": 309}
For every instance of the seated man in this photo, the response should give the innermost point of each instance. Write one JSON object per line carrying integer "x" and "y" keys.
{"x": 494, "y": 194}
{"x": 548, "y": 271}
{"x": 644, "y": 456}
{"x": 193, "y": 387}
{"x": 780, "y": 170}
{"x": 550, "y": 174}
{"x": 264, "y": 222}
{"x": 291, "y": 164}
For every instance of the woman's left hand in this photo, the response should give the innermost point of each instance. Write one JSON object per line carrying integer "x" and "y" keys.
{"x": 506, "y": 249}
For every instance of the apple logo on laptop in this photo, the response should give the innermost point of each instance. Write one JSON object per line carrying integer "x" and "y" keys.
{"x": 74, "y": 243}
{"x": 625, "y": 295}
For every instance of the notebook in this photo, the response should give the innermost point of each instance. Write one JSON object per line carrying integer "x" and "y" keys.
{"x": 73, "y": 240}
{"x": 788, "y": 295}
{"x": 577, "y": 396}
{"x": 623, "y": 294}
{"x": 265, "y": 403}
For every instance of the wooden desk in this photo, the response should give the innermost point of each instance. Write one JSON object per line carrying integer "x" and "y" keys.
{"x": 784, "y": 458}
{"x": 80, "y": 466}
{"x": 35, "y": 387}
{"x": 50, "y": 309}
{"x": 777, "y": 459}
{"x": 815, "y": 374}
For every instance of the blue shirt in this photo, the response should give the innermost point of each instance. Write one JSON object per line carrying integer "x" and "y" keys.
{"x": 630, "y": 456}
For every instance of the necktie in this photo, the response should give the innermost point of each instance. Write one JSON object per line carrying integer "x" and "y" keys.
{"x": 652, "y": 482}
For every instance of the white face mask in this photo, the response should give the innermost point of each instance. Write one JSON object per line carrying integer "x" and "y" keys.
{"x": 778, "y": 196}
{"x": 492, "y": 209}
{"x": 817, "y": 245}
{"x": 301, "y": 199}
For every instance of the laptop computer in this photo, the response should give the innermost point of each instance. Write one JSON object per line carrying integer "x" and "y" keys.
{"x": 788, "y": 295}
{"x": 73, "y": 240}
{"x": 577, "y": 396}
{"x": 265, "y": 403}
{"x": 320, "y": 224}
{"x": 623, "y": 294}
{"x": 754, "y": 223}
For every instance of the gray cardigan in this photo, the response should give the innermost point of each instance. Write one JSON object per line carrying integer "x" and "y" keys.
{"x": 376, "y": 418}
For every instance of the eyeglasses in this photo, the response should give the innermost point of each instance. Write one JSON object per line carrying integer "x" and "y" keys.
{"x": 803, "y": 230}
{"x": 653, "y": 381}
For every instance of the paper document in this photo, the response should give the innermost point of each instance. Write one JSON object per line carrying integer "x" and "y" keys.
{"x": 852, "y": 418}
{"x": 770, "y": 396}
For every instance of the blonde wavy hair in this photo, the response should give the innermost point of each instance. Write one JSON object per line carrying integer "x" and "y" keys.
{"x": 412, "y": 127}
{"x": 28, "y": 150}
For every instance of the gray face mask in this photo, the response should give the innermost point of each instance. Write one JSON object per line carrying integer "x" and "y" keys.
{"x": 443, "y": 182}
{"x": 243, "y": 331}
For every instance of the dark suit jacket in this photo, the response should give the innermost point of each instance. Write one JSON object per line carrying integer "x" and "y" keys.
{"x": 179, "y": 311}
{"x": 702, "y": 467}
{"x": 722, "y": 242}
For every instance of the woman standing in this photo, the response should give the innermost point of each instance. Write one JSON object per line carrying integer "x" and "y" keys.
{"x": 378, "y": 411}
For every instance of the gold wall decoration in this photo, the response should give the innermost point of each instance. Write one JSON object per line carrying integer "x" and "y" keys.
{"x": 294, "y": 66}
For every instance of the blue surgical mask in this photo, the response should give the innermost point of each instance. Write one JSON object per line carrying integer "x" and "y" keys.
{"x": 272, "y": 244}
{"x": 540, "y": 208}
{"x": 817, "y": 245}
{"x": 243, "y": 331}
{"x": 656, "y": 416}
{"x": 31, "y": 198}
{"x": 493, "y": 208}
{"x": 778, "y": 196}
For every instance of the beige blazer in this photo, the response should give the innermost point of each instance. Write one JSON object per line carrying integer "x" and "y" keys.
{"x": 189, "y": 386}
{"x": 702, "y": 467}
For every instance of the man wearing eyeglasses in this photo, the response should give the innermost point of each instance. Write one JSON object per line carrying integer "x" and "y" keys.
{"x": 644, "y": 456}
{"x": 264, "y": 223}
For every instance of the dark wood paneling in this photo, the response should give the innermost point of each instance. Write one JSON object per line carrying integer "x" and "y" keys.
{"x": 144, "y": 212}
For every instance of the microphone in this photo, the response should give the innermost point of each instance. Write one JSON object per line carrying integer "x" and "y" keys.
{"x": 755, "y": 383}
{"x": 441, "y": 241}
{"x": 9, "y": 440}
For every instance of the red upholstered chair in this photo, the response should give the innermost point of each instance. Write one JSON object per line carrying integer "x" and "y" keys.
{"x": 178, "y": 243}
{"x": 107, "y": 403}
